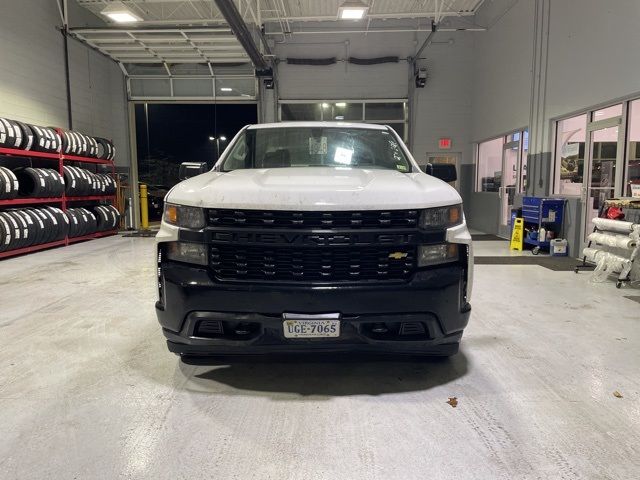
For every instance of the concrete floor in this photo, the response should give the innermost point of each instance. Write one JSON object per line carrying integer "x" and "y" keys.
{"x": 88, "y": 390}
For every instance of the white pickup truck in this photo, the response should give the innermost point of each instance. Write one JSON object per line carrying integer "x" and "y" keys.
{"x": 314, "y": 237}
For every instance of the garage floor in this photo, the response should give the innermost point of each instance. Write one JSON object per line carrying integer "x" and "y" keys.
{"x": 88, "y": 390}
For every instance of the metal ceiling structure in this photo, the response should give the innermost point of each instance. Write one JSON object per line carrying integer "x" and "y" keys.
{"x": 205, "y": 12}
{"x": 191, "y": 39}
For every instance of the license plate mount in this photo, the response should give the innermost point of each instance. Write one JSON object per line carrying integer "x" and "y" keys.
{"x": 303, "y": 325}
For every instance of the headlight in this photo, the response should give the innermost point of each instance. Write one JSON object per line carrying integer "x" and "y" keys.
{"x": 441, "y": 217}
{"x": 437, "y": 254}
{"x": 187, "y": 252}
{"x": 183, "y": 216}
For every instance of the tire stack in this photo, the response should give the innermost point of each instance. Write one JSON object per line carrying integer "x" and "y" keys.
{"x": 83, "y": 221}
{"x": 79, "y": 181}
{"x": 39, "y": 182}
{"x": 26, "y": 227}
{"x": 76, "y": 143}
{"x": 22, "y": 136}
{"x": 8, "y": 184}
{"x": 23, "y": 227}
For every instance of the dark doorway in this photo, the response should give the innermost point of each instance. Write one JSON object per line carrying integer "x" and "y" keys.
{"x": 169, "y": 134}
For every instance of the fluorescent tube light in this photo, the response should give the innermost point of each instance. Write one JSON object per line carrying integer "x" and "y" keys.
{"x": 352, "y": 10}
{"x": 119, "y": 13}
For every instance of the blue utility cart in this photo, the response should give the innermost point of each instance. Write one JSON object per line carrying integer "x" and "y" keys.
{"x": 547, "y": 213}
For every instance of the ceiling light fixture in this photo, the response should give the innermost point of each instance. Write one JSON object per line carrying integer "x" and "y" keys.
{"x": 352, "y": 10}
{"x": 226, "y": 89}
{"x": 119, "y": 13}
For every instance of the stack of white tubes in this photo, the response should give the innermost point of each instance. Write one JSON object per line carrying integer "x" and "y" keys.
{"x": 613, "y": 247}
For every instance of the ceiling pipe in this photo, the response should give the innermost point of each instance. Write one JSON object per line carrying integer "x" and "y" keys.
{"x": 241, "y": 31}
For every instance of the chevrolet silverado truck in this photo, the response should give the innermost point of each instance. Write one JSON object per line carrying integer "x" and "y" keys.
{"x": 314, "y": 237}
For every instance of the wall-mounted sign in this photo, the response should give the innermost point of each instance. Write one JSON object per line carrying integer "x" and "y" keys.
{"x": 444, "y": 143}
{"x": 570, "y": 149}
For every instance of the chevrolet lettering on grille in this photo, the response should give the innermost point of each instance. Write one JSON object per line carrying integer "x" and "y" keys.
{"x": 324, "y": 239}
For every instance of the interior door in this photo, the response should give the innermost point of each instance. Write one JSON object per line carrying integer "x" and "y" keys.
{"x": 510, "y": 167}
{"x": 603, "y": 168}
{"x": 450, "y": 158}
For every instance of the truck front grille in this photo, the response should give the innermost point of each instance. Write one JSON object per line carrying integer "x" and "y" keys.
{"x": 377, "y": 219}
{"x": 317, "y": 264}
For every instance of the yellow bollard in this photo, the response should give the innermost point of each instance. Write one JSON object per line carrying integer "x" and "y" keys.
{"x": 144, "y": 207}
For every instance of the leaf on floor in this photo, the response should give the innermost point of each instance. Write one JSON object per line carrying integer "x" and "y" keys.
{"x": 617, "y": 394}
{"x": 453, "y": 401}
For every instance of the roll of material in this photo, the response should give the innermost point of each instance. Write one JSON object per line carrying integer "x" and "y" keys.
{"x": 609, "y": 240}
{"x": 592, "y": 254}
{"x": 613, "y": 225}
{"x": 611, "y": 261}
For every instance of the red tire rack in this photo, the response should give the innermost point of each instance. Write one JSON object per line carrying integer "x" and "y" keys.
{"x": 61, "y": 159}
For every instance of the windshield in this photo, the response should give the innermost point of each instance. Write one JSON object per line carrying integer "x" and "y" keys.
{"x": 316, "y": 147}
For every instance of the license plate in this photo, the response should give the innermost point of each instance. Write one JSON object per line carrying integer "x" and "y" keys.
{"x": 306, "y": 326}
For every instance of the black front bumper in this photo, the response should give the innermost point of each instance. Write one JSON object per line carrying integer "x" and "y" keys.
{"x": 434, "y": 298}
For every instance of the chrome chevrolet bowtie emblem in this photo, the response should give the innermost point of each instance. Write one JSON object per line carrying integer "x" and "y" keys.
{"x": 398, "y": 255}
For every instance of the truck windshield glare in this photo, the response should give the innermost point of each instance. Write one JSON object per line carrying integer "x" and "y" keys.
{"x": 316, "y": 147}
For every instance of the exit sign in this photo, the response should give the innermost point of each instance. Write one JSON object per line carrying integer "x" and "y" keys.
{"x": 444, "y": 143}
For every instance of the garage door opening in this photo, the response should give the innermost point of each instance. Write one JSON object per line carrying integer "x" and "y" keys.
{"x": 169, "y": 134}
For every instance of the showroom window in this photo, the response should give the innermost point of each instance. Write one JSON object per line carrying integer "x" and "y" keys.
{"x": 571, "y": 136}
{"x": 502, "y": 162}
{"x": 633, "y": 151}
{"x": 489, "y": 165}
{"x": 385, "y": 112}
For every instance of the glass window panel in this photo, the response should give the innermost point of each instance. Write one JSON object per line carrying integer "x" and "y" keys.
{"x": 525, "y": 151}
{"x": 489, "y": 172}
{"x": 150, "y": 87}
{"x": 235, "y": 87}
{"x": 569, "y": 156}
{"x": 608, "y": 112}
{"x": 340, "y": 111}
{"x": 605, "y": 149}
{"x": 513, "y": 137}
{"x": 633, "y": 151}
{"x": 384, "y": 111}
{"x": 193, "y": 87}
{"x": 300, "y": 111}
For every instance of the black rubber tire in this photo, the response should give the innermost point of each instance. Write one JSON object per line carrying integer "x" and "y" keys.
{"x": 22, "y": 239}
{"x": 7, "y": 134}
{"x": 70, "y": 181}
{"x": 31, "y": 182}
{"x": 61, "y": 223}
{"x": 53, "y": 225}
{"x": 34, "y": 231}
{"x": 8, "y": 184}
{"x": 86, "y": 181}
{"x": 39, "y": 233}
{"x": 27, "y": 136}
{"x": 19, "y": 136}
{"x": 16, "y": 234}
{"x": 73, "y": 223}
{"x": 49, "y": 181}
{"x": 48, "y": 227}
{"x": 106, "y": 150}
{"x": 6, "y": 234}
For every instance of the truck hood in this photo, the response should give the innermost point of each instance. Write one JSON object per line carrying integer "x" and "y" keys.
{"x": 313, "y": 188}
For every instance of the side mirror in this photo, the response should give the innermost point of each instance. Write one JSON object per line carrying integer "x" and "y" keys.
{"x": 191, "y": 169}
{"x": 444, "y": 171}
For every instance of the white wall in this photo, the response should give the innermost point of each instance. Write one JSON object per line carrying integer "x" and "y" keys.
{"x": 343, "y": 80}
{"x": 502, "y": 68}
{"x": 593, "y": 54}
{"x": 442, "y": 109}
{"x": 32, "y": 79}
